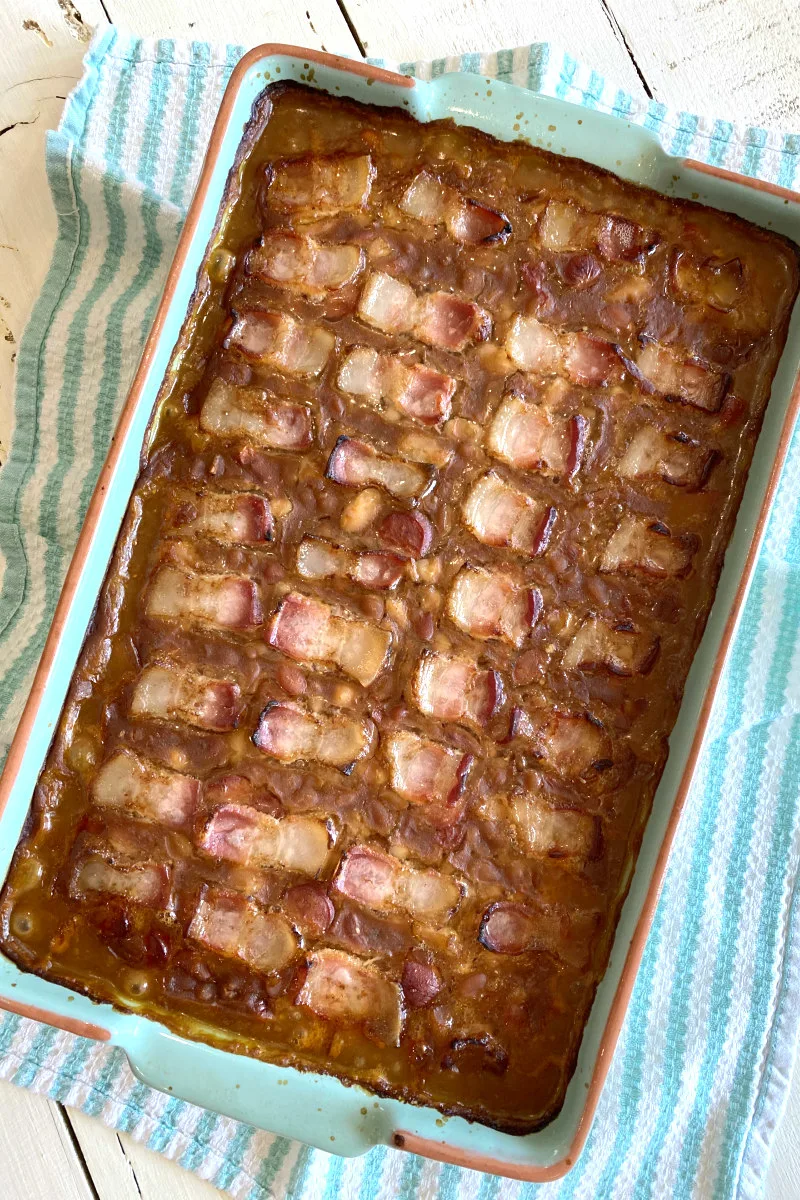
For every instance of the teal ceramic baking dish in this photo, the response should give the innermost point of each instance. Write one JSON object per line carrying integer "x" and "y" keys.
{"x": 309, "y": 1107}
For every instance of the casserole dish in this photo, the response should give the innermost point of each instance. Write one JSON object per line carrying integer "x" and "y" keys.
{"x": 553, "y": 118}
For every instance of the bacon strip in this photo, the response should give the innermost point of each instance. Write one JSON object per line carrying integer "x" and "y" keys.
{"x": 318, "y": 559}
{"x": 290, "y": 732}
{"x": 489, "y": 604}
{"x": 223, "y": 601}
{"x": 567, "y": 934}
{"x": 232, "y": 412}
{"x": 534, "y": 346}
{"x": 657, "y": 369}
{"x": 501, "y": 515}
{"x": 555, "y": 832}
{"x": 341, "y": 988}
{"x": 242, "y": 834}
{"x": 321, "y": 185}
{"x": 383, "y": 883}
{"x": 275, "y": 339}
{"x": 530, "y": 437}
{"x": 674, "y": 457}
{"x": 619, "y": 647}
{"x": 243, "y": 518}
{"x": 566, "y": 226}
{"x": 145, "y": 883}
{"x": 567, "y": 744}
{"x": 419, "y": 391}
{"x": 357, "y": 464}
{"x": 434, "y": 203}
{"x": 310, "y": 631}
{"x": 173, "y": 693}
{"x": 234, "y": 926}
{"x": 641, "y": 546}
{"x": 454, "y": 689}
{"x": 424, "y": 771}
{"x": 300, "y": 263}
{"x": 436, "y": 318}
{"x": 133, "y": 785}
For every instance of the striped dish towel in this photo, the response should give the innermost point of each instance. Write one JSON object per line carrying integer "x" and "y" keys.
{"x": 698, "y": 1081}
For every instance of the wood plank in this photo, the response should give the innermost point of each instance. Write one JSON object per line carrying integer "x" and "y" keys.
{"x": 418, "y": 29}
{"x": 316, "y": 23}
{"x": 41, "y": 47}
{"x": 38, "y": 1159}
{"x": 122, "y": 1169}
{"x": 735, "y": 60}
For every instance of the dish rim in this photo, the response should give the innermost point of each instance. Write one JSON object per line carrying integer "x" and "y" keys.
{"x": 434, "y": 1149}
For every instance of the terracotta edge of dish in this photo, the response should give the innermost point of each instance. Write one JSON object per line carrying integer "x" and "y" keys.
{"x": 758, "y": 185}
{"x": 430, "y": 1148}
{"x": 81, "y": 1028}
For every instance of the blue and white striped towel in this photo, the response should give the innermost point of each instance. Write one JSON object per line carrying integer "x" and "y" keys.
{"x": 699, "y": 1078}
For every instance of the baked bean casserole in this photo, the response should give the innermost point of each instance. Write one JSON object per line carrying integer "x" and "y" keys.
{"x": 360, "y": 747}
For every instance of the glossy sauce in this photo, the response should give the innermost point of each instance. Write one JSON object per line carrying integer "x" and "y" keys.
{"x": 433, "y": 928}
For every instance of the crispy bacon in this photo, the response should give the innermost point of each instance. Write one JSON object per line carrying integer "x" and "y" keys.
{"x": 145, "y": 883}
{"x": 310, "y": 631}
{"x": 409, "y": 532}
{"x": 174, "y": 693}
{"x": 290, "y": 732}
{"x": 501, "y": 515}
{"x": 321, "y": 185}
{"x": 534, "y": 346}
{"x": 675, "y": 378}
{"x": 437, "y": 318}
{"x": 223, "y": 601}
{"x": 424, "y": 771}
{"x": 674, "y": 457}
{"x": 570, "y": 745}
{"x": 641, "y": 546}
{"x": 454, "y": 689}
{"x": 489, "y": 604}
{"x": 566, "y": 226}
{"x": 418, "y": 391}
{"x": 618, "y": 646}
{"x": 243, "y": 518}
{"x": 234, "y": 926}
{"x": 341, "y": 988}
{"x": 354, "y": 463}
{"x": 318, "y": 559}
{"x": 300, "y": 263}
{"x": 532, "y": 438}
{"x": 434, "y": 203}
{"x": 139, "y": 788}
{"x": 233, "y": 412}
{"x": 244, "y": 835}
{"x": 278, "y": 340}
{"x": 555, "y": 832}
{"x": 383, "y": 883}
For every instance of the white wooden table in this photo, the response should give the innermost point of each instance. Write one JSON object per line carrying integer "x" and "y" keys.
{"x": 732, "y": 57}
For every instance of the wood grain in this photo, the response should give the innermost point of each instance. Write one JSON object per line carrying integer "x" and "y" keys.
{"x": 418, "y": 29}
{"x": 317, "y": 23}
{"x": 40, "y": 60}
{"x": 737, "y": 60}
{"x": 38, "y": 1159}
{"x": 123, "y": 1169}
